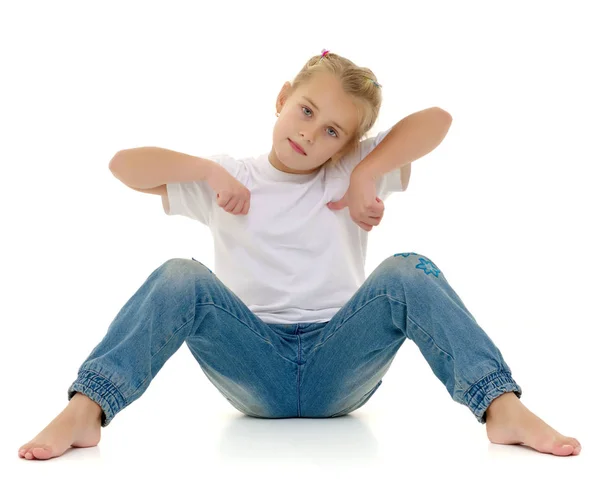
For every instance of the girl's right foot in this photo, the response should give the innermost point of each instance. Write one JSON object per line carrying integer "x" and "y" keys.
{"x": 78, "y": 425}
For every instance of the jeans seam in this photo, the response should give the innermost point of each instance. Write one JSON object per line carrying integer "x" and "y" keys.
{"x": 173, "y": 334}
{"x": 420, "y": 328}
{"x": 298, "y": 365}
{"x": 161, "y": 348}
{"x": 407, "y": 317}
{"x": 266, "y": 340}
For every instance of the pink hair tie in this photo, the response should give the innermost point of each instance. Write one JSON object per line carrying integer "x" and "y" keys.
{"x": 324, "y": 52}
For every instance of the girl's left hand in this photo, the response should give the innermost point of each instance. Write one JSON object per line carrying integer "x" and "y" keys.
{"x": 366, "y": 208}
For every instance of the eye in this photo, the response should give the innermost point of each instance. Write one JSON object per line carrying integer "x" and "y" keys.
{"x": 305, "y": 108}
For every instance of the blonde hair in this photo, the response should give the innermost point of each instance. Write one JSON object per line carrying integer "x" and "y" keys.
{"x": 358, "y": 82}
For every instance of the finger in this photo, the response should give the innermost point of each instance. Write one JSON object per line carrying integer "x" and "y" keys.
{"x": 377, "y": 209}
{"x": 372, "y": 220}
{"x": 373, "y": 214}
{"x": 377, "y": 216}
{"x": 235, "y": 205}
{"x": 226, "y": 203}
{"x": 363, "y": 219}
{"x": 220, "y": 201}
{"x": 239, "y": 207}
{"x": 246, "y": 207}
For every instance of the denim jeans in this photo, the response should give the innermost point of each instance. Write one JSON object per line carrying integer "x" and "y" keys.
{"x": 315, "y": 370}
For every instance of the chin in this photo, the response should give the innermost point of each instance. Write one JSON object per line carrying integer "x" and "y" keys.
{"x": 285, "y": 162}
{"x": 287, "y": 157}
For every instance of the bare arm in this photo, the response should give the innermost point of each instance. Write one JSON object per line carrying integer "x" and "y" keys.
{"x": 157, "y": 190}
{"x": 149, "y": 166}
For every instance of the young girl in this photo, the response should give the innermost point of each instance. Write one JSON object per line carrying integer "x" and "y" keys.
{"x": 289, "y": 326}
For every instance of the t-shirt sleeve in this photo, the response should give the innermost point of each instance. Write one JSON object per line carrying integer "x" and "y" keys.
{"x": 196, "y": 199}
{"x": 393, "y": 181}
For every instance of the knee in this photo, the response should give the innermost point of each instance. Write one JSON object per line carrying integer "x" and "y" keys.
{"x": 407, "y": 264}
{"x": 183, "y": 268}
{"x": 409, "y": 255}
{"x": 407, "y": 259}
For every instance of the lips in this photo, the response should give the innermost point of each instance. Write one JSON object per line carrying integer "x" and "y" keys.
{"x": 297, "y": 147}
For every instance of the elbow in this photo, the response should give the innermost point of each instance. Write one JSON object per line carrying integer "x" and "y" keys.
{"x": 116, "y": 166}
{"x": 112, "y": 164}
{"x": 447, "y": 116}
{"x": 121, "y": 155}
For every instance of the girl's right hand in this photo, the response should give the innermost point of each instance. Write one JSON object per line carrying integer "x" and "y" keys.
{"x": 232, "y": 195}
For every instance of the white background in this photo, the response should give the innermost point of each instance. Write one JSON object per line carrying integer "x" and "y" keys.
{"x": 506, "y": 206}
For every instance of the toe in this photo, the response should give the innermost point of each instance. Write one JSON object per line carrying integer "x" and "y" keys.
{"x": 573, "y": 442}
{"x": 562, "y": 449}
{"x": 24, "y": 448}
{"x": 42, "y": 453}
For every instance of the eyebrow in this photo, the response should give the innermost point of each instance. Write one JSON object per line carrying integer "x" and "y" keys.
{"x": 317, "y": 108}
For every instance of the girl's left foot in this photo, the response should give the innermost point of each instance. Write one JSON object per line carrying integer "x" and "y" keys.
{"x": 508, "y": 421}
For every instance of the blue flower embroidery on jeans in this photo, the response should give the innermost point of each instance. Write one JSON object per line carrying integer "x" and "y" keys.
{"x": 426, "y": 265}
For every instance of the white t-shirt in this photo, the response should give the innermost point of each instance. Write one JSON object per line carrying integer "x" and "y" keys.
{"x": 290, "y": 259}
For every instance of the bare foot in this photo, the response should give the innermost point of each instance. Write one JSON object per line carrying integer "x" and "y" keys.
{"x": 508, "y": 421}
{"x": 78, "y": 425}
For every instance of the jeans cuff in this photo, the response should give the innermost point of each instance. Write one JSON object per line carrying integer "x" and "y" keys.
{"x": 481, "y": 394}
{"x": 100, "y": 390}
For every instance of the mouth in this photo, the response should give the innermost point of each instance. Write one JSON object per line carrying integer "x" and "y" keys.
{"x": 297, "y": 147}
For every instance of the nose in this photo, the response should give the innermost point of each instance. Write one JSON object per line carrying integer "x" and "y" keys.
{"x": 309, "y": 135}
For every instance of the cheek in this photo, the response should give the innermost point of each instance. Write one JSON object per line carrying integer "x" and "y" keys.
{"x": 285, "y": 127}
{"x": 278, "y": 129}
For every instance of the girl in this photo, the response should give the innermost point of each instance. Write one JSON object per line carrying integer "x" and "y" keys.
{"x": 289, "y": 326}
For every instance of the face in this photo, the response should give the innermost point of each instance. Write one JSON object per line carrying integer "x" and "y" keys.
{"x": 319, "y": 117}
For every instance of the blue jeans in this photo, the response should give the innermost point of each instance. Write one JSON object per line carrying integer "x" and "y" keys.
{"x": 315, "y": 370}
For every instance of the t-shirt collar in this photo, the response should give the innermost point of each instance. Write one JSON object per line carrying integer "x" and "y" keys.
{"x": 273, "y": 173}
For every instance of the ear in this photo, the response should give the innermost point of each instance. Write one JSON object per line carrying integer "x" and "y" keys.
{"x": 283, "y": 96}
